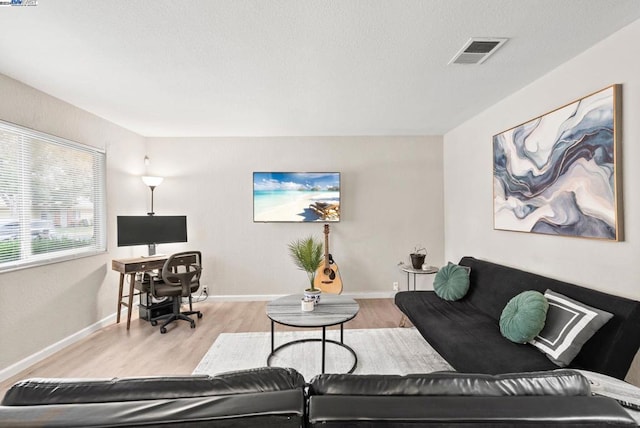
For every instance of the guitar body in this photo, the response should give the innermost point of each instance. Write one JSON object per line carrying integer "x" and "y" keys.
{"x": 328, "y": 278}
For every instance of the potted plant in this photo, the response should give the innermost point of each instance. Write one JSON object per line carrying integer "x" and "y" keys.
{"x": 417, "y": 257}
{"x": 308, "y": 254}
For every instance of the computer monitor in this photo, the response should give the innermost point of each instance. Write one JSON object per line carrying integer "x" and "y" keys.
{"x": 151, "y": 230}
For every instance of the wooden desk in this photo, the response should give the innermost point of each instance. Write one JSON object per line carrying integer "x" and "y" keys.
{"x": 131, "y": 267}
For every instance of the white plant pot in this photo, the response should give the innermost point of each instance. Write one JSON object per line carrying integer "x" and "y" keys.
{"x": 312, "y": 295}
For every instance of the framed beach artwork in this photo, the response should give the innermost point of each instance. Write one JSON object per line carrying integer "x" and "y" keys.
{"x": 293, "y": 197}
{"x": 560, "y": 173}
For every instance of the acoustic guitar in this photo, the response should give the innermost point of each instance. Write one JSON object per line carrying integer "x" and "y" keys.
{"x": 327, "y": 276}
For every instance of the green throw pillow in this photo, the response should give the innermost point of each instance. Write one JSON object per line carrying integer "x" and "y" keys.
{"x": 524, "y": 316}
{"x": 451, "y": 282}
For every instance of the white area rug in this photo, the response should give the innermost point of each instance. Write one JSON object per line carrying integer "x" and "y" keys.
{"x": 379, "y": 351}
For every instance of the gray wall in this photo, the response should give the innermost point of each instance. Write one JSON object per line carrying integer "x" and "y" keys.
{"x": 391, "y": 201}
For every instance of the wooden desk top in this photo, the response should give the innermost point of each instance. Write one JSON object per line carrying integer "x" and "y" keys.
{"x": 138, "y": 264}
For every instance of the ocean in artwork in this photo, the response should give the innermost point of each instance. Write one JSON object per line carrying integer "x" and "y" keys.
{"x": 296, "y": 197}
{"x": 556, "y": 174}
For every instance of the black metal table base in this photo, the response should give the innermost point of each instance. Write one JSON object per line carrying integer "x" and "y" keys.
{"x": 324, "y": 341}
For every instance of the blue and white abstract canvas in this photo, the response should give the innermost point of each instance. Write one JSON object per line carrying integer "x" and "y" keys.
{"x": 557, "y": 174}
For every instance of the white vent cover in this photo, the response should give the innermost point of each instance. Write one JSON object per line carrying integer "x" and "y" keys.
{"x": 477, "y": 50}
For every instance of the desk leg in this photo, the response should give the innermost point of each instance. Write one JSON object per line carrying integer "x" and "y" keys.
{"x": 414, "y": 282}
{"x": 272, "y": 333}
{"x": 407, "y": 281}
{"x": 324, "y": 339}
{"x": 132, "y": 280}
{"x": 120, "y": 297}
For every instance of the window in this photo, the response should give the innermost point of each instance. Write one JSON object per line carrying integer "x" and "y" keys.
{"x": 52, "y": 198}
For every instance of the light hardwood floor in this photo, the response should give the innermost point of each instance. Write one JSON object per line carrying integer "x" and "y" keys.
{"x": 115, "y": 352}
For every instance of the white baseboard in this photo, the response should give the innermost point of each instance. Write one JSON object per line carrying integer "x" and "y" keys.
{"x": 32, "y": 359}
{"x": 268, "y": 297}
{"x": 25, "y": 363}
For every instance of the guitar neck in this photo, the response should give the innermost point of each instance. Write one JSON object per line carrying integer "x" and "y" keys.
{"x": 326, "y": 245}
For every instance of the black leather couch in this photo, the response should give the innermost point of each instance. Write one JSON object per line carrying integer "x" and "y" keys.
{"x": 467, "y": 334}
{"x": 275, "y": 397}
{"x": 559, "y": 398}
{"x": 263, "y": 397}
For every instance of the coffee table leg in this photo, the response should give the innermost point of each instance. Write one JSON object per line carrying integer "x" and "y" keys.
{"x": 272, "y": 328}
{"x": 342, "y": 333}
{"x": 324, "y": 338}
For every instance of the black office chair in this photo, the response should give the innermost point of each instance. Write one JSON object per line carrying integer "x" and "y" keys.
{"x": 180, "y": 277}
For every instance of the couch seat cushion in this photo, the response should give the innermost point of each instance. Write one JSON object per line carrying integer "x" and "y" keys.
{"x": 467, "y": 338}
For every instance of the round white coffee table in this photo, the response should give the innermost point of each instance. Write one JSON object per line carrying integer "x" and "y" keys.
{"x": 333, "y": 309}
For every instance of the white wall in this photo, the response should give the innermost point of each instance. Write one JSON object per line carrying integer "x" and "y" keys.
{"x": 391, "y": 201}
{"x": 43, "y": 305}
{"x": 609, "y": 266}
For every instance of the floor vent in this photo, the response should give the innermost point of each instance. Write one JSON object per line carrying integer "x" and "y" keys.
{"x": 477, "y": 50}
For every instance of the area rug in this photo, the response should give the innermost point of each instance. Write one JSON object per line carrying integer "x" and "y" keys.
{"x": 379, "y": 351}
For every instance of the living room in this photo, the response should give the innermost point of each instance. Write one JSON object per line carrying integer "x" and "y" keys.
{"x": 399, "y": 191}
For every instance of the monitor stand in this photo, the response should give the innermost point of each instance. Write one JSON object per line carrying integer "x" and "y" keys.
{"x": 152, "y": 251}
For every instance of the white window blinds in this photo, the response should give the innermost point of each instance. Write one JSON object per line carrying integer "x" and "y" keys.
{"x": 52, "y": 198}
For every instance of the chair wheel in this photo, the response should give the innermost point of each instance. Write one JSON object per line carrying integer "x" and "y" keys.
{"x": 193, "y": 324}
{"x": 163, "y": 330}
{"x": 154, "y": 323}
{"x": 199, "y": 314}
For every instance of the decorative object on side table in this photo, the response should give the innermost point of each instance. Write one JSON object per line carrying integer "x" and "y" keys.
{"x": 417, "y": 257}
{"x": 307, "y": 254}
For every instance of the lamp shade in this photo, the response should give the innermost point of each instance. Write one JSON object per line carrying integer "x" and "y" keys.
{"x": 152, "y": 181}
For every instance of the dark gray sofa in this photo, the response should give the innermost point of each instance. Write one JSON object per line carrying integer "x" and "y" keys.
{"x": 467, "y": 334}
{"x": 275, "y": 397}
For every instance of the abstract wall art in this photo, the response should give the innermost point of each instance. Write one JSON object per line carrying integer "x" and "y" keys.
{"x": 560, "y": 173}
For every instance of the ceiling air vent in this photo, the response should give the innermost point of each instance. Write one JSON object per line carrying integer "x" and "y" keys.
{"x": 477, "y": 50}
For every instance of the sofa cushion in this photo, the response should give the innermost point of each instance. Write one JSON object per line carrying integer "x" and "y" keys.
{"x": 467, "y": 338}
{"x": 67, "y": 391}
{"x": 451, "y": 282}
{"x": 560, "y": 382}
{"x": 524, "y": 316}
{"x": 569, "y": 325}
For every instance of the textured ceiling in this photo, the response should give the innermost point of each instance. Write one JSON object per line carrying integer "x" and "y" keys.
{"x": 292, "y": 67}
